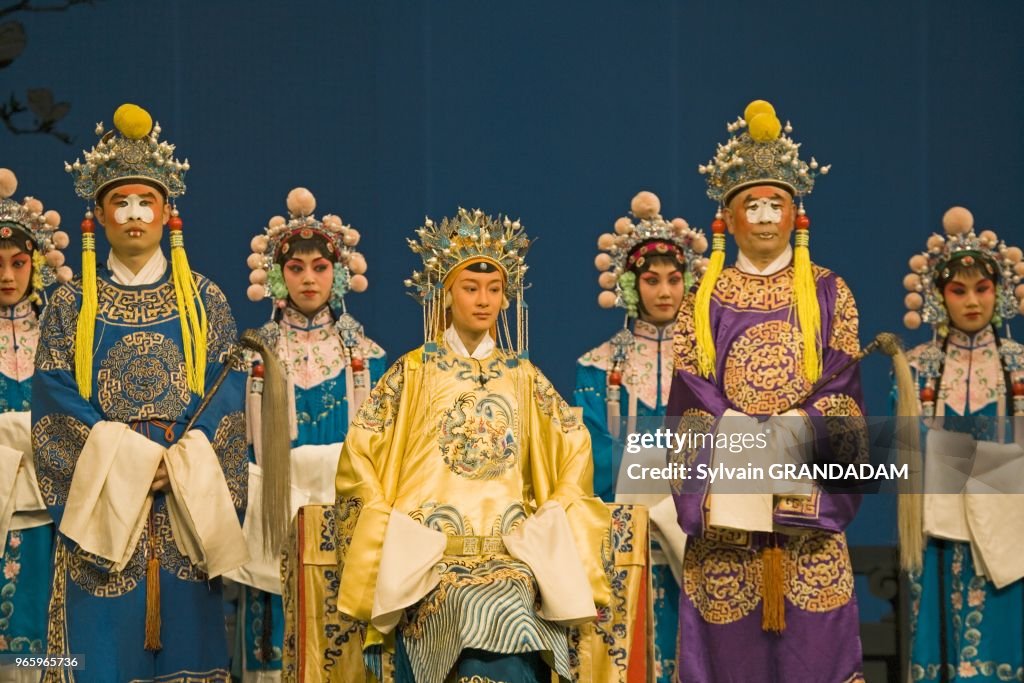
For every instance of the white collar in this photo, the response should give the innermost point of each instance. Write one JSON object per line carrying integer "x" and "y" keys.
{"x": 745, "y": 265}
{"x": 152, "y": 271}
{"x": 454, "y": 342}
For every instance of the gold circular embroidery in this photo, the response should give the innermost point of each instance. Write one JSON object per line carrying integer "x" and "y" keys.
{"x": 847, "y": 429}
{"x": 723, "y": 582}
{"x": 143, "y": 378}
{"x": 763, "y": 373}
{"x": 477, "y": 436}
{"x": 692, "y": 421}
{"x": 819, "y": 576}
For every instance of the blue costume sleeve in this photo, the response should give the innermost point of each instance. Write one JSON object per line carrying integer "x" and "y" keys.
{"x": 590, "y": 395}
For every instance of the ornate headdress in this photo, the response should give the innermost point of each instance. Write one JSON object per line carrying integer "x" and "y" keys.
{"x": 633, "y": 242}
{"x": 960, "y": 243}
{"x": 470, "y": 237}
{"x": 38, "y": 231}
{"x": 762, "y": 154}
{"x": 136, "y": 155}
{"x": 266, "y": 278}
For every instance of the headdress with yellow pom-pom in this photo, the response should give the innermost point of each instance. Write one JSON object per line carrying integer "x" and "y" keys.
{"x": 37, "y": 232}
{"x": 633, "y": 242}
{"x": 136, "y": 155}
{"x": 471, "y": 239}
{"x": 762, "y": 153}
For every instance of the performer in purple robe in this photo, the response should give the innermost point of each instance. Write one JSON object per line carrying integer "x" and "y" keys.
{"x": 770, "y": 598}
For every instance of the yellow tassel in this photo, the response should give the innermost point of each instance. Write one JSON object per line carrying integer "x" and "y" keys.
{"x": 808, "y": 313}
{"x": 702, "y": 307}
{"x": 773, "y": 591}
{"x": 192, "y": 314}
{"x": 38, "y": 263}
{"x": 153, "y": 643}
{"x": 86, "y": 317}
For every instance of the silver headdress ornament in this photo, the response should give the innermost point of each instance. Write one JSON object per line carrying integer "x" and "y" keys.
{"x": 470, "y": 236}
{"x": 762, "y": 154}
{"x": 960, "y": 242}
{"x": 634, "y": 241}
{"x": 137, "y": 154}
{"x": 266, "y": 279}
{"x": 40, "y": 229}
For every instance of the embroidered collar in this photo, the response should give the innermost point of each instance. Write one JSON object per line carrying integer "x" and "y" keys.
{"x": 292, "y": 317}
{"x": 22, "y": 309}
{"x": 981, "y": 338}
{"x": 646, "y": 330}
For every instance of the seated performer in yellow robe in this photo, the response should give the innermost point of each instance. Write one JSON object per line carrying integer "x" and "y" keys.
{"x": 470, "y": 539}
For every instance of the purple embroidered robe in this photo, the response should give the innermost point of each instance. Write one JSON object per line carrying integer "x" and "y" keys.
{"x": 759, "y": 372}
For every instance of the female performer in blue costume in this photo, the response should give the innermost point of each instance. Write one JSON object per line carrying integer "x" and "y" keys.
{"x": 30, "y": 259}
{"x": 306, "y": 266}
{"x": 623, "y": 384}
{"x": 967, "y": 590}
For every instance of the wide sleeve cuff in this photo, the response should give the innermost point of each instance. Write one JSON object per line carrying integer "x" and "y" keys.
{"x": 313, "y": 469}
{"x": 407, "y": 569}
{"x": 666, "y": 531}
{"x": 994, "y": 514}
{"x": 109, "y": 500}
{"x": 545, "y": 542}
{"x": 201, "y": 506}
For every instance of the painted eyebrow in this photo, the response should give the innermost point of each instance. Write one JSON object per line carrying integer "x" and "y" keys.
{"x": 145, "y": 195}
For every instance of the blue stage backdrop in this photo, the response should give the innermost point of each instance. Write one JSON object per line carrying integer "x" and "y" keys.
{"x": 553, "y": 112}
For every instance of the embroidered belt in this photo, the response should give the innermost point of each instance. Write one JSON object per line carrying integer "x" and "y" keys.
{"x": 461, "y": 546}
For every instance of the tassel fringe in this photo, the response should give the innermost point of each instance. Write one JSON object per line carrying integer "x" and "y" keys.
{"x": 702, "y": 308}
{"x": 773, "y": 614}
{"x": 807, "y": 310}
{"x": 86, "y": 318}
{"x": 192, "y": 314}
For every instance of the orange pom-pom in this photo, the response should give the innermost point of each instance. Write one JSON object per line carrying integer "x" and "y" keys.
{"x": 259, "y": 244}
{"x": 606, "y": 299}
{"x": 33, "y": 205}
{"x": 700, "y": 244}
{"x": 254, "y": 261}
{"x": 988, "y": 237}
{"x": 358, "y": 283}
{"x": 351, "y": 237}
{"x": 603, "y": 262}
{"x": 935, "y": 242}
{"x": 52, "y": 218}
{"x": 256, "y": 292}
{"x": 8, "y": 183}
{"x": 1014, "y": 254}
{"x": 1019, "y": 292}
{"x": 913, "y": 301}
{"x": 301, "y": 202}
{"x": 1018, "y": 269}
{"x": 606, "y": 241}
{"x": 276, "y": 221}
{"x": 645, "y": 205}
{"x": 54, "y": 258}
{"x": 607, "y": 280}
{"x": 918, "y": 262}
{"x": 957, "y": 220}
{"x": 258, "y": 277}
{"x": 623, "y": 226}
{"x": 912, "y": 320}
{"x": 64, "y": 274}
{"x": 680, "y": 225}
{"x": 357, "y": 264}
{"x": 61, "y": 239}
{"x": 911, "y": 282}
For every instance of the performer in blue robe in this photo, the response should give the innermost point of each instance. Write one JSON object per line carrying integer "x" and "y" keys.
{"x": 623, "y": 384}
{"x": 967, "y": 592}
{"x": 306, "y": 266}
{"x": 147, "y": 511}
{"x": 30, "y": 259}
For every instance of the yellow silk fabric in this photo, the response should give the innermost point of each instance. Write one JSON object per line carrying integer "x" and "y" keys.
{"x": 465, "y": 441}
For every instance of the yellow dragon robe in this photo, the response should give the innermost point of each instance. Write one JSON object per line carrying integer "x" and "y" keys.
{"x": 497, "y": 542}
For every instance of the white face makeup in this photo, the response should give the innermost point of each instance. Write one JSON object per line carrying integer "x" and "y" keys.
{"x": 134, "y": 208}
{"x": 763, "y": 210}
